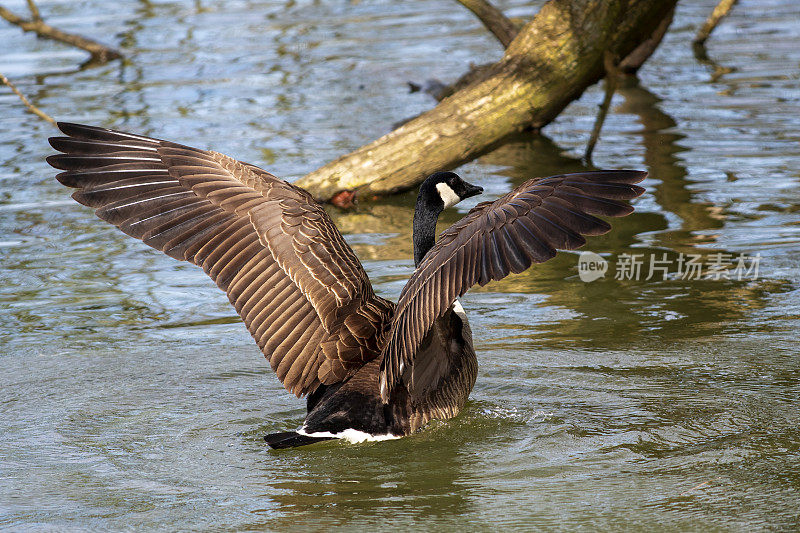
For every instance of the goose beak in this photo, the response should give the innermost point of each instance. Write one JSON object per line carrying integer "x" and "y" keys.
{"x": 471, "y": 190}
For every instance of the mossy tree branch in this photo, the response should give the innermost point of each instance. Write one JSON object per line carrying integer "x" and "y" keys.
{"x": 549, "y": 64}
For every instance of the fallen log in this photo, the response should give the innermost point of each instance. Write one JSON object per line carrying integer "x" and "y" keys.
{"x": 552, "y": 60}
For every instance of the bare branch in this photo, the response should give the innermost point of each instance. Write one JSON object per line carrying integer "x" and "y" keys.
{"x": 494, "y": 20}
{"x": 635, "y": 60}
{"x": 32, "y": 108}
{"x": 100, "y": 52}
{"x": 721, "y": 11}
{"x": 36, "y": 16}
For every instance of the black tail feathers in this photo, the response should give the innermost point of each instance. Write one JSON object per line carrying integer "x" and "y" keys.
{"x": 291, "y": 439}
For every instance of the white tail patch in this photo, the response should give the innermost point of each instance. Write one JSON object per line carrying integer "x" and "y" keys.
{"x": 353, "y": 436}
{"x": 448, "y": 195}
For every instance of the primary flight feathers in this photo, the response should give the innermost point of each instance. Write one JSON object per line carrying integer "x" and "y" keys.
{"x": 285, "y": 267}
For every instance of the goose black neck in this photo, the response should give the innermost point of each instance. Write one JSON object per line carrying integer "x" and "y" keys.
{"x": 425, "y": 215}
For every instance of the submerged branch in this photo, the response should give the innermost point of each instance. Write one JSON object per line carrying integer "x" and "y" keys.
{"x": 32, "y": 108}
{"x": 611, "y": 79}
{"x": 494, "y": 20}
{"x": 100, "y": 52}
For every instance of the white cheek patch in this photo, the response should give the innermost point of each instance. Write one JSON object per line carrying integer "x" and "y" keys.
{"x": 458, "y": 309}
{"x": 448, "y": 195}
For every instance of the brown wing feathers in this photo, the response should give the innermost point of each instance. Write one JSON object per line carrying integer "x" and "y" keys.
{"x": 297, "y": 285}
{"x": 523, "y": 227}
{"x": 299, "y": 288}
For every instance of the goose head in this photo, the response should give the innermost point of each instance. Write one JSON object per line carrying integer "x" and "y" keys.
{"x": 438, "y": 192}
{"x": 446, "y": 189}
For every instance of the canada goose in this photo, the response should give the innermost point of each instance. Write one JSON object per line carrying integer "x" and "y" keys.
{"x": 370, "y": 369}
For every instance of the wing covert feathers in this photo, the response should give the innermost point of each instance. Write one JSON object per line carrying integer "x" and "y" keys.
{"x": 287, "y": 270}
{"x": 523, "y": 227}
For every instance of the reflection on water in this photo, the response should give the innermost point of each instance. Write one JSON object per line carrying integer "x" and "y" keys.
{"x": 134, "y": 398}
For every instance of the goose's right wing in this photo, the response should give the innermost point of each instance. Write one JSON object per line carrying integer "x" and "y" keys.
{"x": 298, "y": 286}
{"x": 523, "y": 227}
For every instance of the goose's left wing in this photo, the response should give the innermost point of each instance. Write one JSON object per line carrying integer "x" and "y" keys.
{"x": 523, "y": 227}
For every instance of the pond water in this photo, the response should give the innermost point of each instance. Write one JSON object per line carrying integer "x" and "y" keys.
{"x": 133, "y": 397}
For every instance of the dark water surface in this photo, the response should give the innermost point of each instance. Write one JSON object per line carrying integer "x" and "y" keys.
{"x": 133, "y": 397}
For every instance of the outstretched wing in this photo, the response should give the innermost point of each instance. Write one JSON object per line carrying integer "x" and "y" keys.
{"x": 523, "y": 227}
{"x": 299, "y": 288}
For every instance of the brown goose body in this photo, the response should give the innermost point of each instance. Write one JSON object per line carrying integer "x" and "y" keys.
{"x": 370, "y": 368}
{"x": 356, "y": 404}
